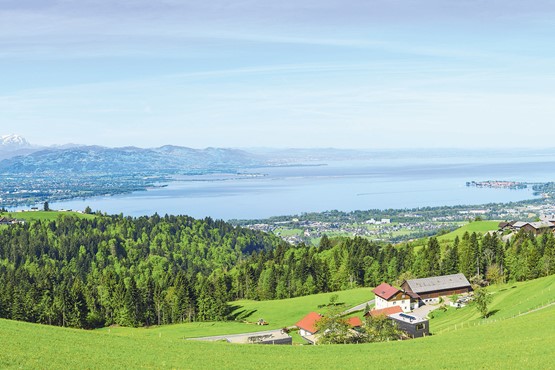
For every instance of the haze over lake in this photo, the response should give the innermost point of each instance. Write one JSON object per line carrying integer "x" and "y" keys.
{"x": 407, "y": 182}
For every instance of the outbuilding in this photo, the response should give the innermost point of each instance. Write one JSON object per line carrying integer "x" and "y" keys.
{"x": 413, "y": 326}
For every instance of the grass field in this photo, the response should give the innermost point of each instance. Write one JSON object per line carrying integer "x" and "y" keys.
{"x": 278, "y": 314}
{"x": 287, "y": 312}
{"x": 508, "y": 300}
{"x": 42, "y": 215}
{"x": 525, "y": 342}
{"x": 479, "y": 227}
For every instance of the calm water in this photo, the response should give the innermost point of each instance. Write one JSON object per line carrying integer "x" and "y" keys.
{"x": 346, "y": 186}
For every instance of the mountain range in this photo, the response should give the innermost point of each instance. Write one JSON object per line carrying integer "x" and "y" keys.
{"x": 18, "y": 156}
{"x": 97, "y": 159}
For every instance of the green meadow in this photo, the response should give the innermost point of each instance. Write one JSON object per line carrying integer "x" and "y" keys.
{"x": 478, "y": 227}
{"x": 43, "y": 215}
{"x": 524, "y": 341}
{"x": 278, "y": 314}
{"x": 508, "y": 300}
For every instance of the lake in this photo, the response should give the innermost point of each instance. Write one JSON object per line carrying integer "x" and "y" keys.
{"x": 407, "y": 182}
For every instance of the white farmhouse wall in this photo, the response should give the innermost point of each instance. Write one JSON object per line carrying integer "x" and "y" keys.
{"x": 403, "y": 303}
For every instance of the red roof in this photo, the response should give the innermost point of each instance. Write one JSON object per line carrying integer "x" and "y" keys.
{"x": 355, "y": 322}
{"x": 385, "y": 291}
{"x": 385, "y": 311}
{"x": 308, "y": 322}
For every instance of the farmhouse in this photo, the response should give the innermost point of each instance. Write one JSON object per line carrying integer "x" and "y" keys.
{"x": 389, "y": 296}
{"x": 307, "y": 325}
{"x": 10, "y": 221}
{"x": 430, "y": 289}
{"x": 533, "y": 227}
{"x": 308, "y": 330}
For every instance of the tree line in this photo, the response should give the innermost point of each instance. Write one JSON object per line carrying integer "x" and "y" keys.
{"x": 159, "y": 270}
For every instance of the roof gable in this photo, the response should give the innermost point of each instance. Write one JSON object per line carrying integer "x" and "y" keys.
{"x": 385, "y": 311}
{"x": 354, "y": 322}
{"x": 308, "y": 322}
{"x": 385, "y": 291}
{"x": 438, "y": 283}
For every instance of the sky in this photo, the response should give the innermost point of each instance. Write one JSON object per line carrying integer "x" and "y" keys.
{"x": 288, "y": 73}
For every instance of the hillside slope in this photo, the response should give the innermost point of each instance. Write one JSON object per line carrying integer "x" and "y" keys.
{"x": 525, "y": 341}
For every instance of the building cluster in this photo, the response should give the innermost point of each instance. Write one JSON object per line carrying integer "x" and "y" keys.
{"x": 538, "y": 227}
{"x": 10, "y": 221}
{"x": 395, "y": 303}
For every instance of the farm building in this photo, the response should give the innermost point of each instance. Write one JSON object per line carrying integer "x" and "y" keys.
{"x": 307, "y": 325}
{"x": 389, "y": 296}
{"x": 384, "y": 311}
{"x": 430, "y": 289}
{"x": 414, "y": 326}
{"x": 532, "y": 227}
{"x": 262, "y": 337}
{"x": 308, "y": 330}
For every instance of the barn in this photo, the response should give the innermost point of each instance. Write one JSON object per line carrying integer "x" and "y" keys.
{"x": 430, "y": 289}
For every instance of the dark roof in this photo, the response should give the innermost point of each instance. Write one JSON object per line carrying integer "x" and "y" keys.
{"x": 385, "y": 311}
{"x": 436, "y": 283}
{"x": 413, "y": 295}
{"x": 308, "y": 322}
{"x": 385, "y": 291}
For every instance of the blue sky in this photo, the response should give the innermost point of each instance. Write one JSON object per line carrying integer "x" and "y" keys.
{"x": 304, "y": 73}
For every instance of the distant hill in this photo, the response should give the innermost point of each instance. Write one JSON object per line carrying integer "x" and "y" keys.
{"x": 166, "y": 159}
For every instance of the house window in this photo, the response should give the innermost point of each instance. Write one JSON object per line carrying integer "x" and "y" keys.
{"x": 419, "y": 327}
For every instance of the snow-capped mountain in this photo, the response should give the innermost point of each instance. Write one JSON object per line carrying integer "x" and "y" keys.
{"x": 13, "y": 142}
{"x": 14, "y": 145}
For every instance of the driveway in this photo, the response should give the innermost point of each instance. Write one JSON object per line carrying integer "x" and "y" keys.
{"x": 232, "y": 337}
{"x": 359, "y": 307}
{"x": 423, "y": 311}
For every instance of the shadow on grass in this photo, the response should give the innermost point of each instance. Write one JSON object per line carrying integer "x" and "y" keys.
{"x": 332, "y": 304}
{"x": 491, "y": 313}
{"x": 236, "y": 314}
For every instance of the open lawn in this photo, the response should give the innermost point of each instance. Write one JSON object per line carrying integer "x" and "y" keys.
{"x": 278, "y": 314}
{"x": 286, "y": 312}
{"x": 479, "y": 227}
{"x": 508, "y": 300}
{"x": 524, "y": 342}
{"x": 42, "y": 215}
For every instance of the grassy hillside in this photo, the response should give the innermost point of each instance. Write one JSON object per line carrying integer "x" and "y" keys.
{"x": 508, "y": 301}
{"x": 287, "y": 312}
{"x": 522, "y": 342}
{"x": 278, "y": 314}
{"x": 42, "y": 215}
{"x": 479, "y": 227}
